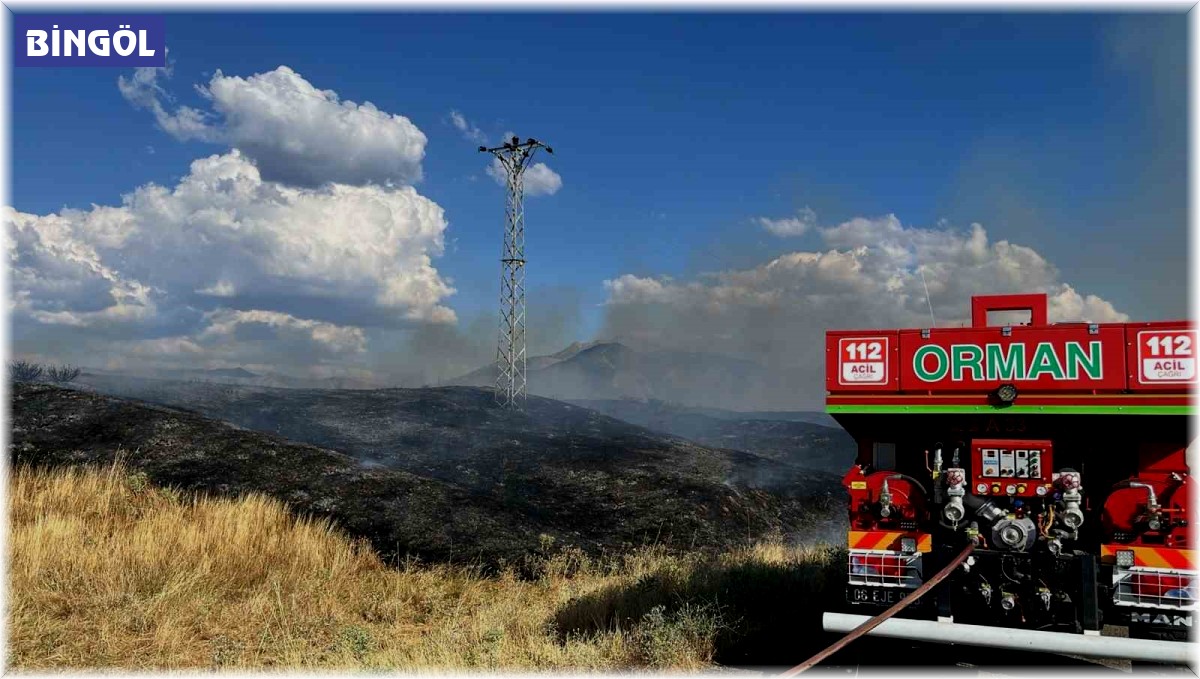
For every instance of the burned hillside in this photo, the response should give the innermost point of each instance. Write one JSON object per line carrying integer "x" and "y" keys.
{"x": 438, "y": 473}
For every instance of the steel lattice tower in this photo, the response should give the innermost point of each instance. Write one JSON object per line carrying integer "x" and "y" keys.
{"x": 514, "y": 157}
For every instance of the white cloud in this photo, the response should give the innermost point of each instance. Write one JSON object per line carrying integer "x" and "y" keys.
{"x": 295, "y": 133}
{"x": 799, "y": 225}
{"x": 226, "y": 323}
{"x": 223, "y": 251}
{"x": 142, "y": 89}
{"x": 358, "y": 252}
{"x": 468, "y": 130}
{"x": 302, "y": 250}
{"x": 540, "y": 180}
{"x": 869, "y": 277}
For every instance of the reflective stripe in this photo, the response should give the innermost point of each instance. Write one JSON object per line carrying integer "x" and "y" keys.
{"x": 887, "y": 539}
{"x": 1152, "y": 557}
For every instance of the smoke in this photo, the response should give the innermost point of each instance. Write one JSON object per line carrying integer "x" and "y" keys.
{"x": 873, "y": 274}
{"x": 439, "y": 354}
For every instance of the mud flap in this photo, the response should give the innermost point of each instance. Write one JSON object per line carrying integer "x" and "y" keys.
{"x": 1089, "y": 595}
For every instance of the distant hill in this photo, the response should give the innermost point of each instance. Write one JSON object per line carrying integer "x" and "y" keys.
{"x": 486, "y": 376}
{"x": 611, "y": 370}
{"x": 237, "y": 375}
{"x": 559, "y": 469}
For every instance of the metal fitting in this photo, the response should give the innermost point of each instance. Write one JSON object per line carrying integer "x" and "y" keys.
{"x": 989, "y": 512}
{"x": 885, "y": 500}
{"x": 1015, "y": 534}
{"x": 1153, "y": 518}
{"x": 1072, "y": 515}
{"x": 954, "y": 510}
{"x": 1007, "y": 601}
{"x": 1044, "y": 595}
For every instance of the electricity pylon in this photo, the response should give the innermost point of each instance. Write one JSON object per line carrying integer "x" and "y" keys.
{"x": 514, "y": 157}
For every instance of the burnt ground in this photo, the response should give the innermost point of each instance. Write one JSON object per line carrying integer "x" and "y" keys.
{"x": 792, "y": 438}
{"x": 438, "y": 473}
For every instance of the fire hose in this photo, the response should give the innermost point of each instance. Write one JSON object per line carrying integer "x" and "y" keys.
{"x": 879, "y": 619}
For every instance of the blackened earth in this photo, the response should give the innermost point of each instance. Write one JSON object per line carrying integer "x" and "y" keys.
{"x": 442, "y": 474}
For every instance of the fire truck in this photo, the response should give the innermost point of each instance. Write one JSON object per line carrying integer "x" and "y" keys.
{"x": 1059, "y": 450}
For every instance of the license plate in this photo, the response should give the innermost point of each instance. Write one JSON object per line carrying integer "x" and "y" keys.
{"x": 880, "y": 596}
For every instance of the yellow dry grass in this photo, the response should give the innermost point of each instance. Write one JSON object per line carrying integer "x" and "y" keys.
{"x": 108, "y": 571}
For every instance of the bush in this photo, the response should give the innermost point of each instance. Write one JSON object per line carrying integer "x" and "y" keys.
{"x": 24, "y": 371}
{"x": 62, "y": 374}
{"x": 684, "y": 638}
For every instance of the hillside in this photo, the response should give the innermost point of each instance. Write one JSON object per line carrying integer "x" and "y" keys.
{"x": 441, "y": 473}
{"x": 611, "y": 370}
{"x": 792, "y": 438}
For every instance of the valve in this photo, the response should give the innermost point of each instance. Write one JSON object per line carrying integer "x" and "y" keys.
{"x": 954, "y": 511}
{"x": 1071, "y": 516}
{"x": 885, "y": 500}
{"x": 1044, "y": 595}
{"x": 1008, "y": 601}
{"x": 1153, "y": 509}
{"x": 973, "y": 533}
{"x": 1015, "y": 534}
{"x": 985, "y": 590}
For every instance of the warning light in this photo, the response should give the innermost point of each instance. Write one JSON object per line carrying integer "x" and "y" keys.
{"x": 1125, "y": 558}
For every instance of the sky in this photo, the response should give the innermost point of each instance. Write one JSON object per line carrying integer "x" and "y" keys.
{"x": 303, "y": 193}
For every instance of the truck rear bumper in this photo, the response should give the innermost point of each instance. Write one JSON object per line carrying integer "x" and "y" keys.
{"x": 1173, "y": 652}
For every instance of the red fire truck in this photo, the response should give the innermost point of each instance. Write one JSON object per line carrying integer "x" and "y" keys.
{"x": 1058, "y": 449}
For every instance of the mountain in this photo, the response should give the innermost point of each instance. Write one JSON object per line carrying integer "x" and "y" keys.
{"x": 611, "y": 370}
{"x": 574, "y": 474}
{"x": 486, "y": 376}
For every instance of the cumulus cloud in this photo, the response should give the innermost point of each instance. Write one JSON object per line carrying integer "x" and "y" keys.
{"x": 799, "y": 225}
{"x": 869, "y": 277}
{"x": 540, "y": 180}
{"x": 225, "y": 256}
{"x": 468, "y": 130}
{"x": 143, "y": 90}
{"x": 227, "y": 323}
{"x": 295, "y": 133}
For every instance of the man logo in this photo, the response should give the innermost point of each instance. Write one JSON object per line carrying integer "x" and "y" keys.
{"x": 89, "y": 40}
{"x": 1162, "y": 619}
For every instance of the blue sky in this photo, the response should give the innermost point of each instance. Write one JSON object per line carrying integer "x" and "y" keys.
{"x": 675, "y": 133}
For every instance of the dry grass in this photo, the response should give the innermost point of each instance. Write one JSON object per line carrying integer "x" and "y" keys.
{"x": 108, "y": 571}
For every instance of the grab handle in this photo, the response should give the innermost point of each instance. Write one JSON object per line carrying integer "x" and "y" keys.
{"x": 1034, "y": 303}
